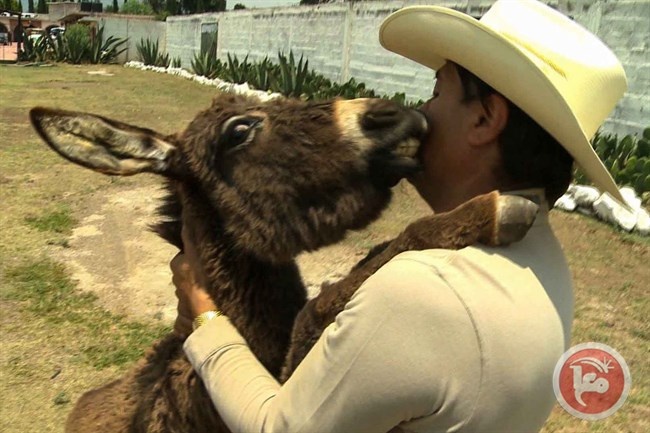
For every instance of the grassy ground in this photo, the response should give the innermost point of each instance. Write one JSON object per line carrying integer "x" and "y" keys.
{"x": 57, "y": 341}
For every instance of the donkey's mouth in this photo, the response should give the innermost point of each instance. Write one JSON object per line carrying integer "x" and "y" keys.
{"x": 388, "y": 165}
{"x": 407, "y": 148}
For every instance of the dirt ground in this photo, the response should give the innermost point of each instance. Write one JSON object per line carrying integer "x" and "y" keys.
{"x": 113, "y": 254}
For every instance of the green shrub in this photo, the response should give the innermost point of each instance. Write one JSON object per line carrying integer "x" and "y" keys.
{"x": 134, "y": 7}
{"x": 627, "y": 159}
{"x": 77, "y": 43}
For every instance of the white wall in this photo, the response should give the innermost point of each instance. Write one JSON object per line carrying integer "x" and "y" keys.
{"x": 340, "y": 41}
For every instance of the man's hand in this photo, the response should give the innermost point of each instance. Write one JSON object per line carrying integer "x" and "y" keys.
{"x": 190, "y": 282}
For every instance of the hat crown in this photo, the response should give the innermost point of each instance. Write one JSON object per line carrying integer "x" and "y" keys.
{"x": 582, "y": 68}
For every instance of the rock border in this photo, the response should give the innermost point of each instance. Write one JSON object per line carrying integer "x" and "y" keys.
{"x": 224, "y": 86}
{"x": 588, "y": 200}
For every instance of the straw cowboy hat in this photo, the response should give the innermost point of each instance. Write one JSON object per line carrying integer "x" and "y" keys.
{"x": 552, "y": 68}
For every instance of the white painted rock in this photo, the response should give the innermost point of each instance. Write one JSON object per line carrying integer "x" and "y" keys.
{"x": 566, "y": 203}
{"x": 642, "y": 222}
{"x": 585, "y": 195}
{"x": 610, "y": 210}
{"x": 630, "y": 197}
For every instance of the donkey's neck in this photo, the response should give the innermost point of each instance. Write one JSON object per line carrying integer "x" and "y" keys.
{"x": 261, "y": 298}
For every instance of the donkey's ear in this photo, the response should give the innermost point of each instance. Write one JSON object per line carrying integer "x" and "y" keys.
{"x": 105, "y": 145}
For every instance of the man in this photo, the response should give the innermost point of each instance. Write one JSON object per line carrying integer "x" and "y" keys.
{"x": 462, "y": 341}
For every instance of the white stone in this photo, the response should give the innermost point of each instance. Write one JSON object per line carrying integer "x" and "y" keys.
{"x": 642, "y": 222}
{"x": 610, "y": 210}
{"x": 566, "y": 203}
{"x": 585, "y": 196}
{"x": 629, "y": 194}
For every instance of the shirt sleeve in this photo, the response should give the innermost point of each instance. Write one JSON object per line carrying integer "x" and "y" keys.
{"x": 388, "y": 358}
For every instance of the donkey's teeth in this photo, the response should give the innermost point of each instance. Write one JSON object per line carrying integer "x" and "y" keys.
{"x": 408, "y": 148}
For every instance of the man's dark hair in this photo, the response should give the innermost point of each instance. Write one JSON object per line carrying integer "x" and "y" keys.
{"x": 531, "y": 157}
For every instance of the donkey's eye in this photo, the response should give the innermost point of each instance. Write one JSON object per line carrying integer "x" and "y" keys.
{"x": 238, "y": 131}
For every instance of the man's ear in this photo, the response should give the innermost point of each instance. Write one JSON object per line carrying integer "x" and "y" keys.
{"x": 489, "y": 119}
{"x": 106, "y": 145}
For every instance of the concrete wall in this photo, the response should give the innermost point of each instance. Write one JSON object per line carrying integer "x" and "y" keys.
{"x": 340, "y": 41}
{"x": 133, "y": 27}
{"x": 624, "y": 25}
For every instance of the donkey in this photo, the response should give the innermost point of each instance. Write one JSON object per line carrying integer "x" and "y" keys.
{"x": 264, "y": 182}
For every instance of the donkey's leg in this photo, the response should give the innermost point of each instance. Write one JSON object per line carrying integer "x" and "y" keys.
{"x": 491, "y": 219}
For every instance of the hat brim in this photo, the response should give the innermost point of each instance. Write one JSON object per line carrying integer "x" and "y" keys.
{"x": 432, "y": 35}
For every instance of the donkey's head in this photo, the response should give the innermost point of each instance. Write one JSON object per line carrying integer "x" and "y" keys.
{"x": 279, "y": 177}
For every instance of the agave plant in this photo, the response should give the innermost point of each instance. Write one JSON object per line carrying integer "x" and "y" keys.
{"x": 627, "y": 159}
{"x": 58, "y": 48}
{"x": 262, "y": 74}
{"x": 34, "y": 50}
{"x": 237, "y": 72}
{"x": 293, "y": 77}
{"x": 150, "y": 54}
{"x": 207, "y": 64}
{"x": 105, "y": 51}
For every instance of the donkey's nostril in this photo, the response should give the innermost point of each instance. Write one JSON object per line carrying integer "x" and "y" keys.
{"x": 380, "y": 118}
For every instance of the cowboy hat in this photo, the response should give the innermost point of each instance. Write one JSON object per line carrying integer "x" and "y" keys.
{"x": 556, "y": 71}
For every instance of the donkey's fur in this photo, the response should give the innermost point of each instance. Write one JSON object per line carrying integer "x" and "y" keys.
{"x": 262, "y": 183}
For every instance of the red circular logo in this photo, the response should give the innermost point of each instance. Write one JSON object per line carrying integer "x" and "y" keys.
{"x": 591, "y": 381}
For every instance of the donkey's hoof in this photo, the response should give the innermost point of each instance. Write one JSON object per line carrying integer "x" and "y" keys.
{"x": 515, "y": 215}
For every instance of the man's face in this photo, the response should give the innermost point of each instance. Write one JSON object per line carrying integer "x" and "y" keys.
{"x": 445, "y": 152}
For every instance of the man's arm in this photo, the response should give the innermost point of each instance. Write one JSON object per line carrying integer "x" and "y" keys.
{"x": 398, "y": 352}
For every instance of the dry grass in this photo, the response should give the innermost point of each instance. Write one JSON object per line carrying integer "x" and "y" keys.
{"x": 56, "y": 341}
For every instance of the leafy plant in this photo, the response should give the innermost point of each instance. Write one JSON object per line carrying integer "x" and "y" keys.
{"x": 150, "y": 54}
{"x": 176, "y": 62}
{"x": 34, "y": 50}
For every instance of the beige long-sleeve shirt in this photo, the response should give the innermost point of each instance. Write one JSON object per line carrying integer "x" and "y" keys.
{"x": 435, "y": 341}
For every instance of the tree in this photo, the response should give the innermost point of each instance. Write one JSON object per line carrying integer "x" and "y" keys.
{"x": 30, "y": 6}
{"x": 239, "y": 6}
{"x": 116, "y": 8}
{"x": 172, "y": 7}
{"x": 136, "y": 8}
{"x": 41, "y": 8}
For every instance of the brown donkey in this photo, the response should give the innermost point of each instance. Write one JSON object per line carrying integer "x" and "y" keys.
{"x": 263, "y": 182}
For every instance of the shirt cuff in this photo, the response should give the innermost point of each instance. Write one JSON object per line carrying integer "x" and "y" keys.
{"x": 209, "y": 339}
